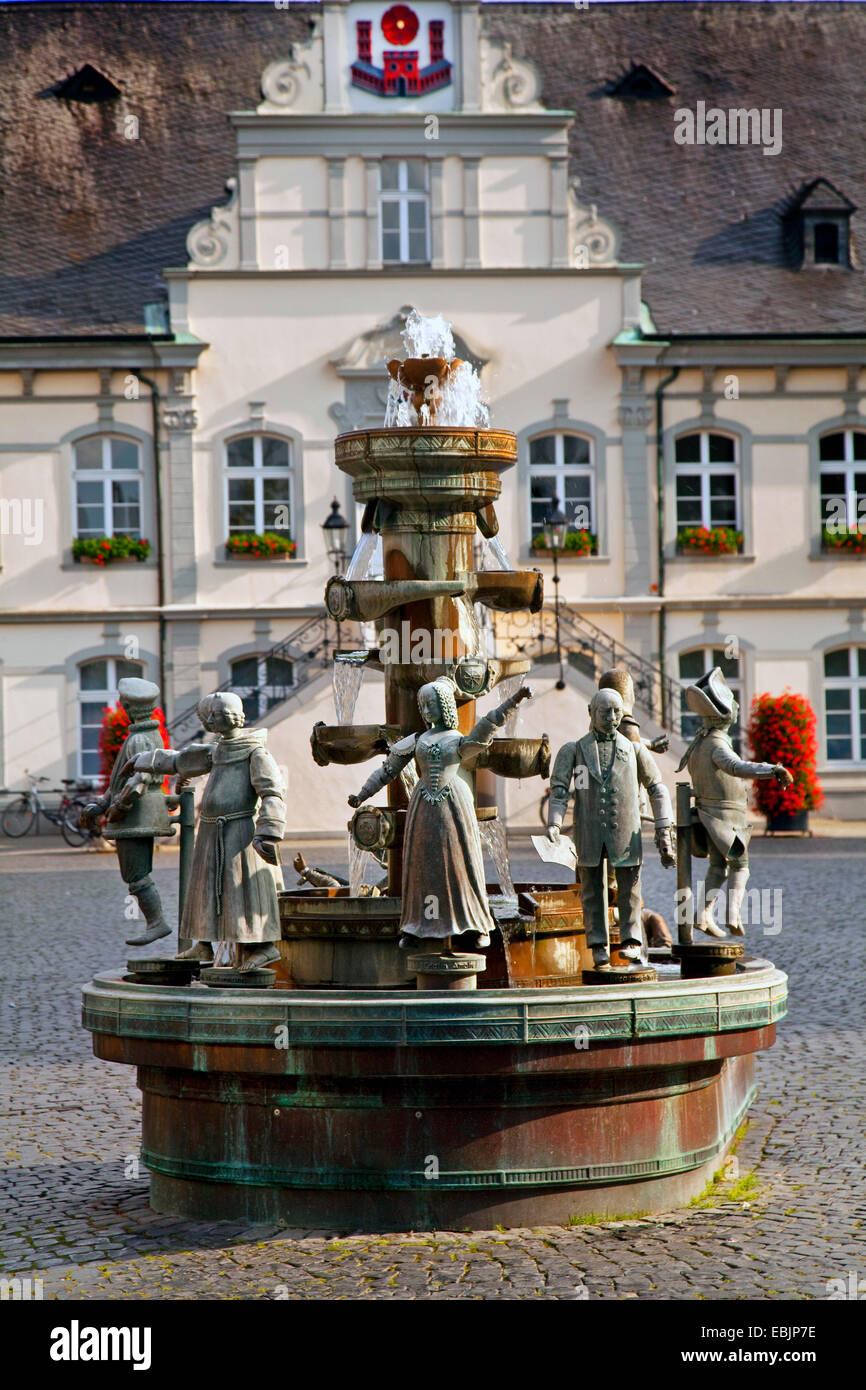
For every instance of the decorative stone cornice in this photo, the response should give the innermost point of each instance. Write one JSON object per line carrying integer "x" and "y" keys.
{"x": 507, "y": 83}
{"x": 216, "y": 242}
{"x": 592, "y": 240}
{"x": 296, "y": 83}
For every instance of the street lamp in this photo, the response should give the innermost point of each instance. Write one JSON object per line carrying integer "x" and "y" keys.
{"x": 555, "y": 525}
{"x": 335, "y": 528}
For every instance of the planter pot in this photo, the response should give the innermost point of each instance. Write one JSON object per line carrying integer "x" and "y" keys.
{"x": 114, "y": 560}
{"x": 259, "y": 554}
{"x": 789, "y": 821}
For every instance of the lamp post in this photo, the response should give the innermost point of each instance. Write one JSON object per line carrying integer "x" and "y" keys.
{"x": 555, "y": 524}
{"x": 334, "y": 528}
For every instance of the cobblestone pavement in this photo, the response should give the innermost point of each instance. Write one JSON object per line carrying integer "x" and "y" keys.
{"x": 75, "y": 1209}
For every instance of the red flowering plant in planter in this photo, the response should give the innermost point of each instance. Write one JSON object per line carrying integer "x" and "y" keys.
{"x": 709, "y": 540}
{"x": 104, "y": 550}
{"x": 265, "y": 546}
{"x": 782, "y": 730}
{"x": 115, "y": 727}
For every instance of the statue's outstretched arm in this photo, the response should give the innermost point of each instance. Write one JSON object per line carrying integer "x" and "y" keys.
{"x": 727, "y": 761}
{"x": 400, "y": 755}
{"x": 482, "y": 735}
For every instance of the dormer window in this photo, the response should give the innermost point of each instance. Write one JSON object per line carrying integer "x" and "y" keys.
{"x": 826, "y": 248}
{"x": 820, "y": 221}
{"x": 640, "y": 83}
{"x": 87, "y": 85}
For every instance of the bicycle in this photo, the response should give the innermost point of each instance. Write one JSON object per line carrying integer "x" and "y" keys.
{"x": 23, "y": 813}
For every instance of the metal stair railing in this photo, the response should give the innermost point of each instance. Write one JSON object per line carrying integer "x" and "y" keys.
{"x": 309, "y": 651}
{"x": 659, "y": 696}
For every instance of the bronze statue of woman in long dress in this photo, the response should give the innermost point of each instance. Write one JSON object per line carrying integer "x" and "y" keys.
{"x": 444, "y": 892}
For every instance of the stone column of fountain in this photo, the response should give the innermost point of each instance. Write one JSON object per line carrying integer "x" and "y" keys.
{"x": 428, "y": 481}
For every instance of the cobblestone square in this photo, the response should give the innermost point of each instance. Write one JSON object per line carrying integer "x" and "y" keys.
{"x": 75, "y": 1210}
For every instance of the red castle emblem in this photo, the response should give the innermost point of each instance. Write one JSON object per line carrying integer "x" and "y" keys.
{"x": 400, "y": 76}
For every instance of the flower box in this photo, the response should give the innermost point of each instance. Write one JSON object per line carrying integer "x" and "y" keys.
{"x": 852, "y": 542}
{"x": 269, "y": 545}
{"x": 575, "y": 543}
{"x": 709, "y": 540}
{"x": 109, "y": 550}
{"x": 782, "y": 730}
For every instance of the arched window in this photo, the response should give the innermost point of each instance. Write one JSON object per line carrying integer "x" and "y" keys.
{"x": 562, "y": 466}
{"x": 107, "y": 487}
{"x": 258, "y": 484}
{"x": 707, "y": 480}
{"x": 693, "y": 665}
{"x": 97, "y": 688}
{"x": 845, "y": 704}
{"x": 261, "y": 682}
{"x": 843, "y": 481}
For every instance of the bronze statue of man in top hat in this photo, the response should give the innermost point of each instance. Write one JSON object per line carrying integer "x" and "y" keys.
{"x": 717, "y": 776}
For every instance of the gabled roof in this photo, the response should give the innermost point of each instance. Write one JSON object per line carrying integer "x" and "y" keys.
{"x": 89, "y": 219}
{"x": 821, "y": 196}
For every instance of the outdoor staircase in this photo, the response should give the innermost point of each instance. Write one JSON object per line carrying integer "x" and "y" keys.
{"x": 586, "y": 647}
{"x": 310, "y": 650}
{"x": 590, "y": 650}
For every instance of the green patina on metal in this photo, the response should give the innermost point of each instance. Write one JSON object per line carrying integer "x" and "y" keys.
{"x": 404, "y": 1018}
{"x": 356, "y": 1180}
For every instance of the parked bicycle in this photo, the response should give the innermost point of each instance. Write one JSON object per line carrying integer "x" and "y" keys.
{"x": 23, "y": 813}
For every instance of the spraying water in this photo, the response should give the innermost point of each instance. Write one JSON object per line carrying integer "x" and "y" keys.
{"x": 363, "y": 563}
{"x": 493, "y": 839}
{"x": 458, "y": 402}
{"x": 493, "y": 555}
{"x": 364, "y": 869}
{"x": 504, "y": 690}
{"x": 347, "y": 679}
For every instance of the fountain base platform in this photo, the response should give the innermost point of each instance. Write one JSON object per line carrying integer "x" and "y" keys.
{"x": 398, "y": 1109}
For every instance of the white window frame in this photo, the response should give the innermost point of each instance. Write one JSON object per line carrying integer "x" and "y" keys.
{"x": 108, "y": 475}
{"x": 849, "y": 466}
{"x": 559, "y": 470}
{"x": 735, "y": 683}
{"x": 107, "y": 697}
{"x": 854, "y": 683}
{"x": 258, "y": 473}
{"x": 261, "y": 688}
{"x": 706, "y": 471}
{"x": 403, "y": 195}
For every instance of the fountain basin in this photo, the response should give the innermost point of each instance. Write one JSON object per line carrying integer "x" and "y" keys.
{"x": 399, "y": 1110}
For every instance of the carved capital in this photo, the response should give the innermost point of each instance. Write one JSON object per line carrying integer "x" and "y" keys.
{"x": 180, "y": 419}
{"x": 635, "y": 415}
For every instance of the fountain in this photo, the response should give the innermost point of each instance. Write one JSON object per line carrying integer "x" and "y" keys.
{"x": 352, "y": 1095}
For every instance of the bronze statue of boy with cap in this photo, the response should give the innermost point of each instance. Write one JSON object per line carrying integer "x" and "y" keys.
{"x": 136, "y": 809}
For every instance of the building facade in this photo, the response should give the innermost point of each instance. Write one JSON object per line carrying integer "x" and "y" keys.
{"x": 429, "y": 166}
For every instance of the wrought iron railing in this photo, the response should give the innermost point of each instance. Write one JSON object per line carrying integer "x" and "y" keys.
{"x": 309, "y": 650}
{"x": 657, "y": 696}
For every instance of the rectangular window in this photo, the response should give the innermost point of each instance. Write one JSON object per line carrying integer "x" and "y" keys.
{"x": 561, "y": 469}
{"x": 107, "y": 487}
{"x": 404, "y": 212}
{"x": 707, "y": 481}
{"x": 843, "y": 484}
